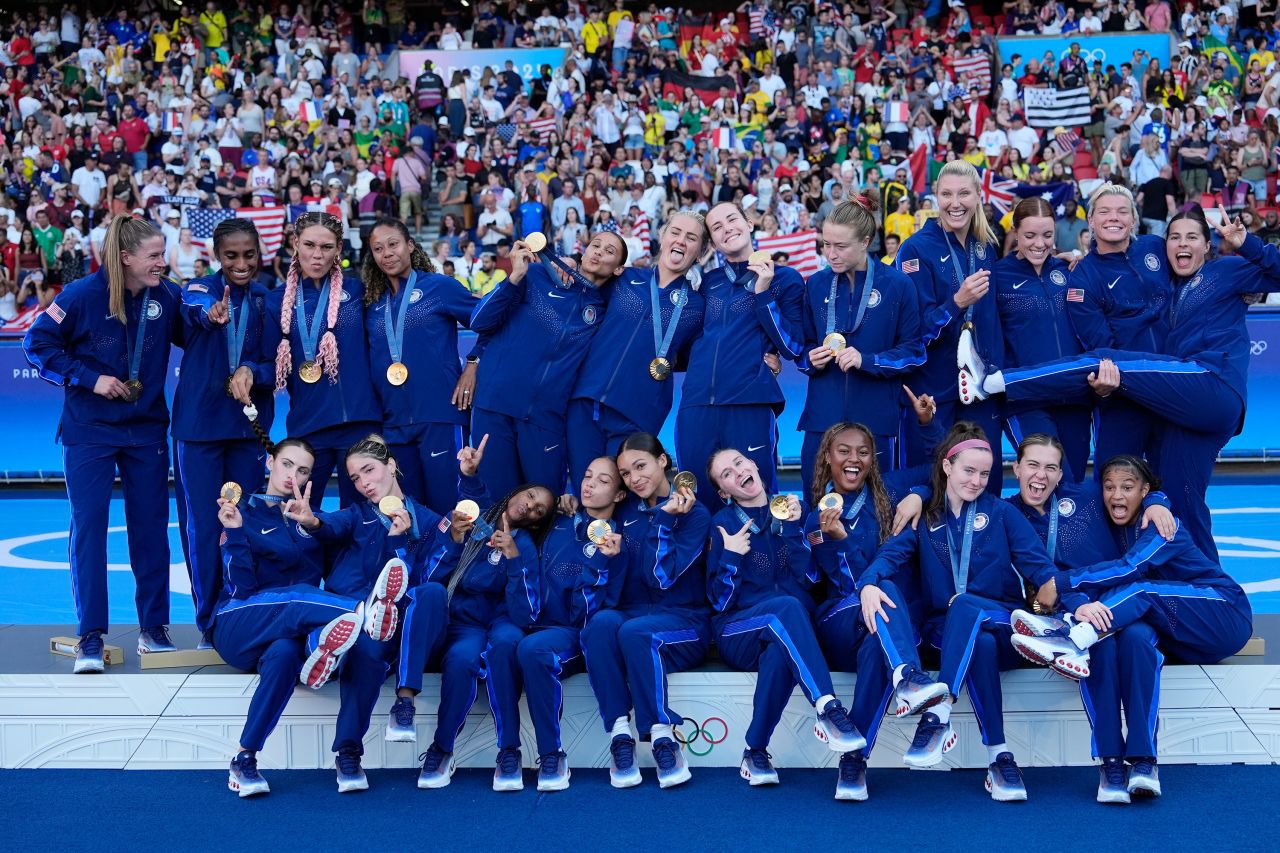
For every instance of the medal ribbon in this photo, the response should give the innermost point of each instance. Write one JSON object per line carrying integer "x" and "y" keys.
{"x": 395, "y": 327}
{"x": 853, "y": 511}
{"x": 1052, "y": 543}
{"x": 135, "y": 356}
{"x": 960, "y": 562}
{"x": 413, "y": 518}
{"x": 237, "y": 328}
{"x": 868, "y": 284}
{"x": 310, "y": 332}
{"x": 662, "y": 340}
{"x": 961, "y": 275}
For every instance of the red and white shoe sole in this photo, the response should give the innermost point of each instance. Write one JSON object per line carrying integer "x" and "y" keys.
{"x": 382, "y": 621}
{"x": 392, "y": 582}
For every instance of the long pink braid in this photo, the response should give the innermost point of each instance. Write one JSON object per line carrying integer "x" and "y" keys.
{"x": 328, "y": 353}
{"x": 284, "y": 353}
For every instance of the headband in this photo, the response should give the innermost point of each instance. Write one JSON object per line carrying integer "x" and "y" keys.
{"x": 968, "y": 444}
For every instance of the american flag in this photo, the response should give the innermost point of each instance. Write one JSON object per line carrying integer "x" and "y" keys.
{"x": 998, "y": 191}
{"x": 975, "y": 68}
{"x": 814, "y": 537}
{"x": 801, "y": 250}
{"x": 543, "y": 127}
{"x": 1067, "y": 142}
{"x": 269, "y": 221}
{"x": 20, "y": 324}
{"x": 640, "y": 230}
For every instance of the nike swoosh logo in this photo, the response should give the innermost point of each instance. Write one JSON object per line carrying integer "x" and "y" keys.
{"x": 1019, "y": 284}
{"x": 826, "y": 300}
{"x": 1112, "y": 285}
{"x": 754, "y": 449}
{"x": 936, "y": 529}
{"x": 267, "y": 530}
{"x": 556, "y": 295}
{"x": 945, "y": 258}
{"x": 371, "y": 521}
{"x": 629, "y": 523}
{"x": 549, "y": 449}
{"x": 441, "y": 453}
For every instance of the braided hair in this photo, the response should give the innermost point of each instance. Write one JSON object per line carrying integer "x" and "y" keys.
{"x": 375, "y": 280}
{"x": 538, "y": 530}
{"x": 327, "y": 353}
{"x": 874, "y": 480}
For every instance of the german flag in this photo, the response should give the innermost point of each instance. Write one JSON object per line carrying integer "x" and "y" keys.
{"x": 675, "y": 82}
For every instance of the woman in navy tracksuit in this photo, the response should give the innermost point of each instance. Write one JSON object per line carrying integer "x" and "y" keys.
{"x": 579, "y": 575}
{"x": 318, "y": 315}
{"x": 394, "y": 561}
{"x": 1198, "y": 388}
{"x": 1031, "y": 295}
{"x": 949, "y": 263}
{"x": 973, "y": 552}
{"x": 537, "y": 329}
{"x": 1072, "y": 521}
{"x": 1189, "y": 605}
{"x": 659, "y": 624}
{"x": 878, "y": 315}
{"x": 844, "y": 537}
{"x": 494, "y": 594}
{"x": 626, "y": 384}
{"x": 271, "y": 617}
{"x": 213, "y": 440}
{"x": 411, "y": 320}
{"x": 730, "y": 397}
{"x": 106, "y": 338}
{"x": 759, "y": 572}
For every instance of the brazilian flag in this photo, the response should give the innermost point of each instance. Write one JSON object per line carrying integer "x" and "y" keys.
{"x": 1212, "y": 46}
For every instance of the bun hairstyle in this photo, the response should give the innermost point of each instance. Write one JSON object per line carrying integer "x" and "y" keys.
{"x": 286, "y": 443}
{"x": 858, "y": 213}
{"x": 375, "y": 280}
{"x": 236, "y": 225}
{"x": 327, "y": 353}
{"x": 1138, "y": 467}
{"x": 374, "y": 446}
{"x": 962, "y": 431}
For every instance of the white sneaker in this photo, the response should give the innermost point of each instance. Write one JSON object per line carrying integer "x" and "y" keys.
{"x": 381, "y": 614}
{"x": 1034, "y": 625}
{"x": 1058, "y": 653}
{"x": 972, "y": 368}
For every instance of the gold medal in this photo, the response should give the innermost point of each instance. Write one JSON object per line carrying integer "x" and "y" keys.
{"x": 831, "y": 500}
{"x": 397, "y": 373}
{"x": 685, "y": 480}
{"x": 835, "y": 342}
{"x": 231, "y": 492}
{"x": 536, "y": 241}
{"x": 468, "y": 509}
{"x": 227, "y": 387}
{"x": 660, "y": 369}
{"x": 780, "y": 507}
{"x": 390, "y": 504}
{"x": 598, "y": 530}
{"x": 310, "y": 372}
{"x": 132, "y": 391}
{"x": 758, "y": 256}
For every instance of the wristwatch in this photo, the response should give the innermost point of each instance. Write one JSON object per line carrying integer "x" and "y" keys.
{"x": 473, "y": 359}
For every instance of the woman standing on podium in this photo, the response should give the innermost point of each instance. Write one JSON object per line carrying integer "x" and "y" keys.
{"x": 223, "y": 373}
{"x": 106, "y": 339}
{"x": 316, "y": 316}
{"x": 411, "y": 320}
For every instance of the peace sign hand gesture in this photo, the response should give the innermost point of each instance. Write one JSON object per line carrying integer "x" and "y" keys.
{"x": 299, "y": 507}
{"x": 469, "y": 457}
{"x": 1233, "y": 232}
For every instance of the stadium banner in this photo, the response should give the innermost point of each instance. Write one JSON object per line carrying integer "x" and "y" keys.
{"x": 1109, "y": 48}
{"x": 33, "y": 406}
{"x": 528, "y": 61}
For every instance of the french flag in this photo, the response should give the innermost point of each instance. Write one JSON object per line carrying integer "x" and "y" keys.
{"x": 896, "y": 111}
{"x": 724, "y": 139}
{"x": 170, "y": 121}
{"x": 309, "y": 111}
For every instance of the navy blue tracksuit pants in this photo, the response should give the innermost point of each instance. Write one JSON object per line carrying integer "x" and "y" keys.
{"x": 1199, "y": 411}
{"x": 518, "y": 452}
{"x": 547, "y": 657}
{"x": 774, "y": 638}
{"x": 849, "y": 647}
{"x": 428, "y": 465}
{"x": 593, "y": 431}
{"x": 629, "y": 656}
{"x": 199, "y": 470}
{"x": 1124, "y": 670}
{"x": 975, "y": 640}
{"x": 749, "y": 429}
{"x": 424, "y": 612}
{"x": 144, "y": 473}
{"x": 473, "y": 653}
{"x": 272, "y": 633}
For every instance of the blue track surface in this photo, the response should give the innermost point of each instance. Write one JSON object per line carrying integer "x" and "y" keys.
{"x": 35, "y": 581}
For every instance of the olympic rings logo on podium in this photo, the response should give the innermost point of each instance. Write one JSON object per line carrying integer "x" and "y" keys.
{"x": 1257, "y": 347}
{"x": 703, "y": 733}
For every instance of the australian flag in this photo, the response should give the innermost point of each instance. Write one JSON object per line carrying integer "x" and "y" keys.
{"x": 1057, "y": 194}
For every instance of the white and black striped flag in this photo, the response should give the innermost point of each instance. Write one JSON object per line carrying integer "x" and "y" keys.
{"x": 1057, "y": 107}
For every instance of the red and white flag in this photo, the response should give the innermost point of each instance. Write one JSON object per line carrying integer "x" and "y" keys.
{"x": 20, "y": 324}
{"x": 800, "y": 248}
{"x": 975, "y": 68}
{"x": 543, "y": 127}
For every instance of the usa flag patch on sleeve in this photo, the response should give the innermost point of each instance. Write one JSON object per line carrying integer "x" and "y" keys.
{"x": 56, "y": 313}
{"x": 1075, "y": 294}
{"x": 443, "y": 525}
{"x": 814, "y": 537}
{"x": 911, "y": 266}
{"x": 198, "y": 288}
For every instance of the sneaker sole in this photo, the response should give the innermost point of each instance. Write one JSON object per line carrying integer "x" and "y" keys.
{"x": 841, "y": 746}
{"x": 757, "y": 781}
{"x": 625, "y": 780}
{"x": 908, "y": 711}
{"x": 851, "y": 796}
{"x": 94, "y": 667}
{"x": 392, "y": 581}
{"x": 382, "y": 621}
{"x": 437, "y": 782}
{"x": 1119, "y": 798}
{"x": 1025, "y": 628}
{"x": 1040, "y": 660}
{"x": 335, "y": 639}
{"x": 408, "y": 736}
{"x": 558, "y": 785}
{"x": 967, "y": 384}
{"x": 507, "y": 787}
{"x": 1015, "y": 797}
{"x": 1143, "y": 791}
{"x": 679, "y": 779}
{"x": 353, "y": 785}
{"x": 250, "y": 791}
{"x": 933, "y": 759}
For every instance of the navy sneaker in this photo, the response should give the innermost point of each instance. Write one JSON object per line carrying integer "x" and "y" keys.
{"x": 350, "y": 774}
{"x": 206, "y": 642}
{"x": 933, "y": 738}
{"x": 437, "y": 768}
{"x": 155, "y": 639}
{"x": 623, "y": 770}
{"x": 672, "y": 768}
{"x": 400, "y": 727}
{"x": 836, "y": 730}
{"x": 852, "y": 783}
{"x": 244, "y": 777}
{"x": 1004, "y": 780}
{"x": 917, "y": 691}
{"x": 756, "y": 767}
{"x": 1113, "y": 781}
{"x": 89, "y": 653}
{"x": 553, "y": 771}
{"x": 1144, "y": 778}
{"x": 508, "y": 773}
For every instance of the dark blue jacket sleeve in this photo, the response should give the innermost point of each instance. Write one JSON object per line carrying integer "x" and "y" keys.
{"x": 48, "y": 340}
{"x": 237, "y": 563}
{"x": 780, "y": 312}
{"x": 1150, "y": 551}
{"x": 676, "y": 542}
{"x": 1089, "y": 317}
{"x": 523, "y": 589}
